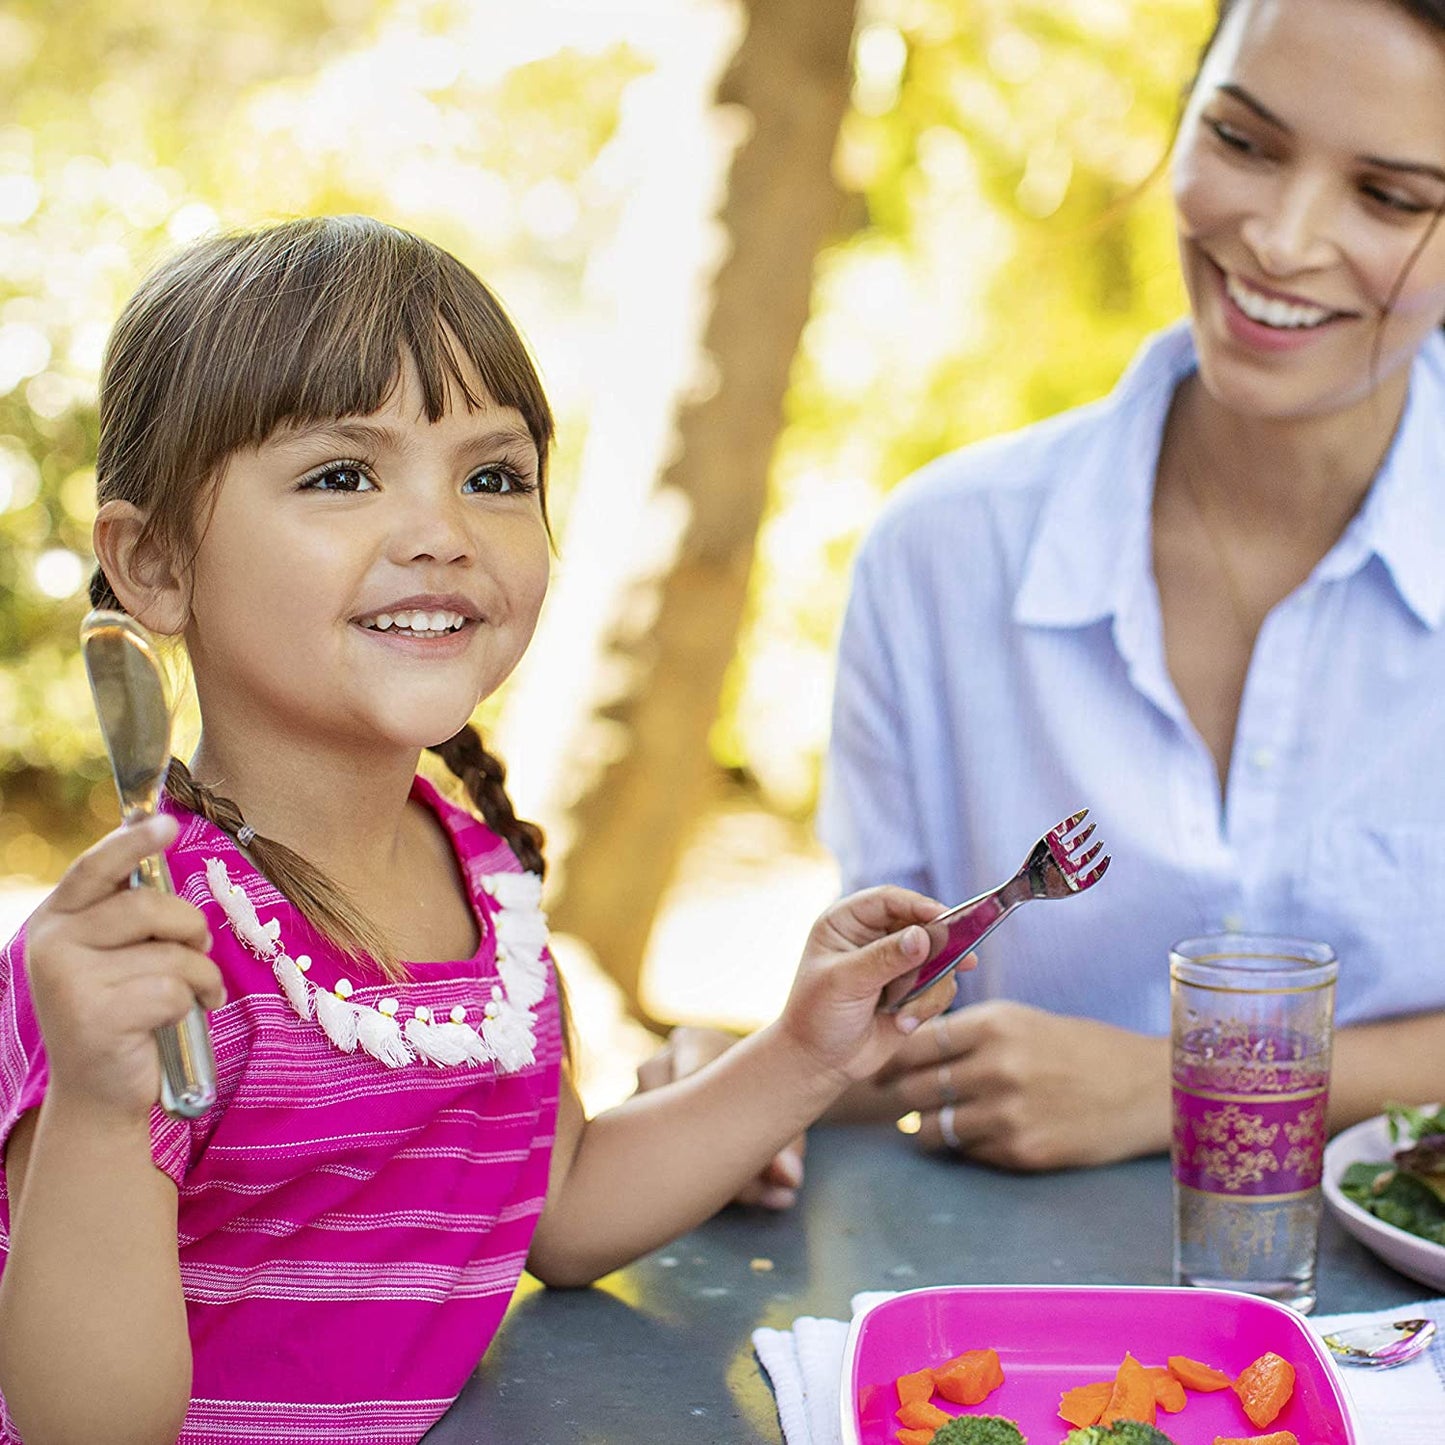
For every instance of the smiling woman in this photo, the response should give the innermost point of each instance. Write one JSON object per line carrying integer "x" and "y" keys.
{"x": 1210, "y": 607}
{"x": 1308, "y": 211}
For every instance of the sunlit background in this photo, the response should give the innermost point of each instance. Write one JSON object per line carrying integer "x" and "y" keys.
{"x": 988, "y": 253}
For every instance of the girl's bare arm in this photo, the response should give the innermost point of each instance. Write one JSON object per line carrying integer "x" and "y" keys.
{"x": 662, "y": 1162}
{"x": 93, "y": 1342}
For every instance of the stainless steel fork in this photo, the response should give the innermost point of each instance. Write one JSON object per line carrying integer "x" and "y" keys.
{"x": 1058, "y": 866}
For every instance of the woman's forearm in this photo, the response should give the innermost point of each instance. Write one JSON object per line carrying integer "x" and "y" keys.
{"x": 1397, "y": 1061}
{"x": 93, "y": 1339}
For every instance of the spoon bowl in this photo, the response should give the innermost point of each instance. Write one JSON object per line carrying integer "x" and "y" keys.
{"x": 1380, "y": 1346}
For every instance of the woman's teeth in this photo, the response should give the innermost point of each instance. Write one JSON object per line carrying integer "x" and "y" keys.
{"x": 1268, "y": 311}
{"x": 419, "y": 624}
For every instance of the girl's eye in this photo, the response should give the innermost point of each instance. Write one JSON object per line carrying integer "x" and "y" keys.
{"x": 498, "y": 480}
{"x": 339, "y": 477}
{"x": 1227, "y": 135}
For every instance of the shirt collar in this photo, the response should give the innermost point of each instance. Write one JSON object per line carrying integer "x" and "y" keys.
{"x": 1403, "y": 519}
{"x": 1090, "y": 554}
{"x": 1096, "y": 520}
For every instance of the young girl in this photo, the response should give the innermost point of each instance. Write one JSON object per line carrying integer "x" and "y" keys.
{"x": 321, "y": 464}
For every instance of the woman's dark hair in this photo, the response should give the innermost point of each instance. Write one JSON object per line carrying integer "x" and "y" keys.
{"x": 1431, "y": 12}
{"x": 306, "y": 321}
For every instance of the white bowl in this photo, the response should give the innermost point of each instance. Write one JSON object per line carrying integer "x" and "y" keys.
{"x": 1411, "y": 1255}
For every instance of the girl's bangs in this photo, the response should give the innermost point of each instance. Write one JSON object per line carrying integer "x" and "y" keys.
{"x": 321, "y": 333}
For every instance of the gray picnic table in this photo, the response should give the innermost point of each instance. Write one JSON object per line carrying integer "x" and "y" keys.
{"x": 661, "y": 1351}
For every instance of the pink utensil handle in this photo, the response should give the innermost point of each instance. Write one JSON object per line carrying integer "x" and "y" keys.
{"x": 953, "y": 934}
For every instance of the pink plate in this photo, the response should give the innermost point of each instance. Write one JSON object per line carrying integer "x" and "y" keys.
{"x": 1050, "y": 1338}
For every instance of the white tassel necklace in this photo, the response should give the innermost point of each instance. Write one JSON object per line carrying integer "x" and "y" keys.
{"x": 507, "y": 1034}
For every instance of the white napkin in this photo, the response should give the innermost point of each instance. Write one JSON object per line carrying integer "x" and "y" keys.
{"x": 1402, "y": 1406}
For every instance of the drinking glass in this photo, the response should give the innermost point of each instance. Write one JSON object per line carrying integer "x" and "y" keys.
{"x": 1252, "y": 1022}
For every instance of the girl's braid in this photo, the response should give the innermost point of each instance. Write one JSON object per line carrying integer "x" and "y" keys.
{"x": 483, "y": 776}
{"x": 322, "y": 902}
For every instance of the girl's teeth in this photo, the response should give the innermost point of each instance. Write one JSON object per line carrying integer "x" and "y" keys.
{"x": 416, "y": 621}
{"x": 1268, "y": 311}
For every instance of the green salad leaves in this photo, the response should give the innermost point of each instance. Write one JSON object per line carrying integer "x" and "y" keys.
{"x": 1407, "y": 1191}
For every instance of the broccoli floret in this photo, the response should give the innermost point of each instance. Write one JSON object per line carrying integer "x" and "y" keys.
{"x": 978, "y": 1430}
{"x": 1121, "y": 1432}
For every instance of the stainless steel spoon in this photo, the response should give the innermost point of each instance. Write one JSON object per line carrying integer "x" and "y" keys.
{"x": 130, "y": 700}
{"x": 1380, "y": 1346}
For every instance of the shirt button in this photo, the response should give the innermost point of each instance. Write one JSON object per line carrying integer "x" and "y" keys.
{"x": 1233, "y": 923}
{"x": 1262, "y": 758}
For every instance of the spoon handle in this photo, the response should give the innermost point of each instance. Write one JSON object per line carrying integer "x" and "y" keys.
{"x": 188, "y": 1063}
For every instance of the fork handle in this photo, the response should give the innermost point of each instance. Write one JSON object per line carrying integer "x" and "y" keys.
{"x": 954, "y": 933}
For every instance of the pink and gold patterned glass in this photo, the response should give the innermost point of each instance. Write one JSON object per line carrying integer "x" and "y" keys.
{"x": 1251, "y": 1031}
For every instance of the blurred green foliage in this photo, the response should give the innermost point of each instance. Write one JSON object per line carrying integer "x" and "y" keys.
{"x": 998, "y": 266}
{"x": 127, "y": 127}
{"x": 1014, "y": 243}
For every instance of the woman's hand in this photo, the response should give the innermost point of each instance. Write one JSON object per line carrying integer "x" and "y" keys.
{"x": 689, "y": 1048}
{"x": 108, "y": 966}
{"x": 856, "y": 949}
{"x": 1021, "y": 1088}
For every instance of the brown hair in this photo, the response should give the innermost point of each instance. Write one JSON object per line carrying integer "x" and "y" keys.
{"x": 300, "y": 322}
{"x": 1431, "y": 12}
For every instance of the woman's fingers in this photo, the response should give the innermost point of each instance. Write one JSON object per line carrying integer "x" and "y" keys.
{"x": 655, "y": 1071}
{"x": 941, "y": 1038}
{"x": 778, "y": 1184}
{"x": 694, "y": 1046}
{"x": 689, "y": 1047}
{"x": 106, "y": 867}
{"x": 954, "y": 1128}
{"x": 931, "y": 1002}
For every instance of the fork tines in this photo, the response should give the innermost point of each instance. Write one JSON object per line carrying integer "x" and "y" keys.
{"x": 1071, "y": 856}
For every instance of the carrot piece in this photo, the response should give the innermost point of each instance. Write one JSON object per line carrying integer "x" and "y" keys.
{"x": 986, "y": 1362}
{"x": 969, "y": 1378}
{"x": 1264, "y": 1388}
{"x": 1132, "y": 1397}
{"x": 916, "y": 1386}
{"x": 914, "y": 1437}
{"x": 1168, "y": 1392}
{"x": 1195, "y": 1376}
{"x": 1085, "y": 1403}
{"x": 1276, "y": 1437}
{"x": 921, "y": 1415}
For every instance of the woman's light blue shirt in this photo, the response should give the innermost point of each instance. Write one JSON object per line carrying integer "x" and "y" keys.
{"x": 1002, "y": 664}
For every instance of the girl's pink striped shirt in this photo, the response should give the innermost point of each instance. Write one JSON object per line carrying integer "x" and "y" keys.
{"x": 350, "y": 1233}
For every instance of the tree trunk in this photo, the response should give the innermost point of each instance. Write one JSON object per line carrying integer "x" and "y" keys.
{"x": 791, "y": 76}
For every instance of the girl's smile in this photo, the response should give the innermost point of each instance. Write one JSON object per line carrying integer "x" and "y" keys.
{"x": 429, "y": 625}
